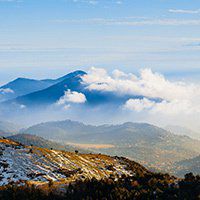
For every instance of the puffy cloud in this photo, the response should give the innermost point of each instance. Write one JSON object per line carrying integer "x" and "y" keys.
{"x": 164, "y": 107}
{"x": 148, "y": 84}
{"x": 71, "y": 97}
{"x": 117, "y": 74}
{"x": 6, "y": 91}
{"x": 139, "y": 104}
{"x": 174, "y": 97}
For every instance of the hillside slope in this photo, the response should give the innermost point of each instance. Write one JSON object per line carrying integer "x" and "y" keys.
{"x": 183, "y": 131}
{"x": 33, "y": 140}
{"x": 42, "y": 174}
{"x": 145, "y": 143}
{"x": 39, "y": 166}
{"x": 186, "y": 166}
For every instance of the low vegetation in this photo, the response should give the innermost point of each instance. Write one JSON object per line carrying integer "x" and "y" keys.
{"x": 33, "y": 173}
{"x": 151, "y": 186}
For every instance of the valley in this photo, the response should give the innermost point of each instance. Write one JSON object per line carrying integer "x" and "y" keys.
{"x": 149, "y": 145}
{"x": 91, "y": 146}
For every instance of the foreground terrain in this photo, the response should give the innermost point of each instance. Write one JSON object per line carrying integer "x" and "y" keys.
{"x": 147, "y": 144}
{"x": 39, "y": 166}
{"x": 29, "y": 172}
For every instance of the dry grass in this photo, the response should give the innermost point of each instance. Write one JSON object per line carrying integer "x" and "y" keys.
{"x": 92, "y": 146}
{"x": 59, "y": 166}
{"x": 10, "y": 142}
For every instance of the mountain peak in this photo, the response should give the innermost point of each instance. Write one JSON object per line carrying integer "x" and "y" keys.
{"x": 72, "y": 74}
{"x": 22, "y": 79}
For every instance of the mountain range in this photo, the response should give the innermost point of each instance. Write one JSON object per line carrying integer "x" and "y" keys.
{"x": 25, "y": 86}
{"x": 31, "y": 92}
{"x": 26, "y": 93}
{"x": 150, "y": 145}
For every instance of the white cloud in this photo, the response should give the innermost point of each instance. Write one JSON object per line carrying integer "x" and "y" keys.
{"x": 92, "y": 2}
{"x": 139, "y": 104}
{"x": 133, "y": 21}
{"x": 71, "y": 97}
{"x": 172, "y": 97}
{"x": 159, "y": 22}
{"x": 22, "y": 106}
{"x": 174, "y": 107}
{"x": 147, "y": 84}
{"x": 66, "y": 107}
{"x": 181, "y": 11}
{"x": 6, "y": 91}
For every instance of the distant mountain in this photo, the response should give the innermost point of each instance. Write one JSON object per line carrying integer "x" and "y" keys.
{"x": 22, "y": 86}
{"x": 60, "y": 130}
{"x": 74, "y": 131}
{"x": 72, "y": 81}
{"x": 179, "y": 130}
{"x": 37, "y": 141}
{"x": 148, "y": 144}
{"x": 50, "y": 94}
{"x": 187, "y": 166}
{"x": 8, "y": 128}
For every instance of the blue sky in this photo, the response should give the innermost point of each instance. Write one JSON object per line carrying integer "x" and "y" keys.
{"x": 48, "y": 38}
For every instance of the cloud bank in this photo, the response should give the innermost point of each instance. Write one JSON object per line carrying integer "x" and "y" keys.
{"x": 134, "y": 21}
{"x": 71, "y": 97}
{"x": 139, "y": 104}
{"x": 181, "y": 11}
{"x": 160, "y": 95}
